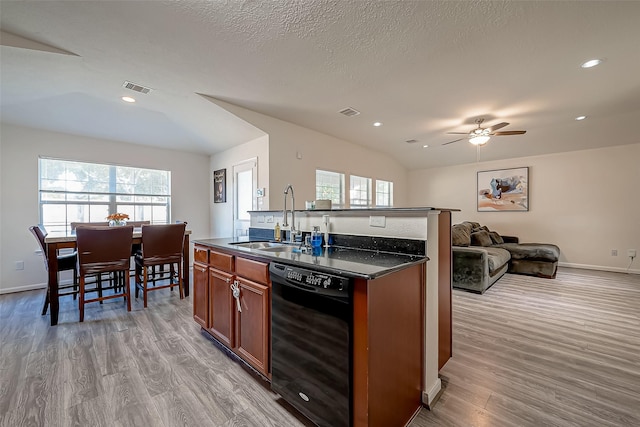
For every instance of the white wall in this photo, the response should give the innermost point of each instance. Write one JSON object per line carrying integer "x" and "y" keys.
{"x": 318, "y": 151}
{"x": 587, "y": 202}
{"x": 221, "y": 218}
{"x": 19, "y": 180}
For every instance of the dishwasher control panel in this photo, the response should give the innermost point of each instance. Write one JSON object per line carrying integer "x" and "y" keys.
{"x": 308, "y": 278}
{"x": 313, "y": 278}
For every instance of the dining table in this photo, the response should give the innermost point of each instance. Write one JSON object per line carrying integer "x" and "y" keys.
{"x": 56, "y": 240}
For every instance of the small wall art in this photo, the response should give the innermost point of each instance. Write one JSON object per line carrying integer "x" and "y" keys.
{"x": 503, "y": 190}
{"x": 220, "y": 186}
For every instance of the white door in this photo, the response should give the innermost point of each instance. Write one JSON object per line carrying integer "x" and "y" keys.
{"x": 245, "y": 182}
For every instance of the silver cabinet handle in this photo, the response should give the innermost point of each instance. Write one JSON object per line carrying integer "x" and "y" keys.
{"x": 235, "y": 291}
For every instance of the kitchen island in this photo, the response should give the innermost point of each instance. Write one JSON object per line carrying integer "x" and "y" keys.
{"x": 401, "y": 310}
{"x": 383, "y": 372}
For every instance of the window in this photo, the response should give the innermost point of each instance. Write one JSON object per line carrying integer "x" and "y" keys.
{"x": 384, "y": 193}
{"x": 330, "y": 186}
{"x": 360, "y": 192}
{"x": 88, "y": 192}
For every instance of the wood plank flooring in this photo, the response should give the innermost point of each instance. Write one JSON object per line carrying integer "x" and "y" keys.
{"x": 529, "y": 352}
{"x": 539, "y": 352}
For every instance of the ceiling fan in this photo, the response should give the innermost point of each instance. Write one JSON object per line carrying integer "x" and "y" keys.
{"x": 480, "y": 135}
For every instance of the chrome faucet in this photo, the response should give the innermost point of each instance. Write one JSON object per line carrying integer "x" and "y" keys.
{"x": 292, "y": 232}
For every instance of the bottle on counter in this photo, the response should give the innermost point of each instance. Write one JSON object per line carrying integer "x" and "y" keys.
{"x": 276, "y": 232}
{"x": 316, "y": 237}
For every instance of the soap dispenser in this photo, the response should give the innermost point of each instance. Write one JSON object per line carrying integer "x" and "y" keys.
{"x": 316, "y": 237}
{"x": 276, "y": 232}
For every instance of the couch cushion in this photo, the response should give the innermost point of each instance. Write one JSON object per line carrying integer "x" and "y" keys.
{"x": 497, "y": 258}
{"x": 496, "y": 238}
{"x": 481, "y": 238}
{"x": 533, "y": 251}
{"x": 460, "y": 235}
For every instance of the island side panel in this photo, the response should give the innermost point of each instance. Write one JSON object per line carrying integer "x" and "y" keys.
{"x": 360, "y": 340}
{"x": 396, "y": 341}
{"x": 445, "y": 340}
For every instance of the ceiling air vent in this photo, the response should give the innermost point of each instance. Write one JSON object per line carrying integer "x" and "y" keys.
{"x": 136, "y": 88}
{"x": 349, "y": 112}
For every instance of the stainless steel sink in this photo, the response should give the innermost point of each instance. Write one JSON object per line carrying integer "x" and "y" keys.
{"x": 282, "y": 248}
{"x": 261, "y": 245}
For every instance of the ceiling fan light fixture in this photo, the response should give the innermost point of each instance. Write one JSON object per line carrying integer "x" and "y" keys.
{"x": 479, "y": 140}
{"x": 591, "y": 63}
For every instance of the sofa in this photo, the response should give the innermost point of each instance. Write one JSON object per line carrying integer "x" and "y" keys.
{"x": 481, "y": 257}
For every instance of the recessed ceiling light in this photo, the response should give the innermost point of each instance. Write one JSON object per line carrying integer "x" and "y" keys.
{"x": 591, "y": 63}
{"x": 425, "y": 146}
{"x": 128, "y": 99}
{"x": 377, "y": 124}
{"x": 581, "y": 118}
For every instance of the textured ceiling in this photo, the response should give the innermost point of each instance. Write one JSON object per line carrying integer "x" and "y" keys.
{"x": 422, "y": 68}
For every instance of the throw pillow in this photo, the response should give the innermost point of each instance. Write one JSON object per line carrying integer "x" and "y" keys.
{"x": 472, "y": 224}
{"x": 496, "y": 238}
{"x": 481, "y": 238}
{"x": 460, "y": 236}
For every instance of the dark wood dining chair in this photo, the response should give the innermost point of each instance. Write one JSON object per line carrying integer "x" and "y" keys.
{"x": 105, "y": 250}
{"x": 161, "y": 246}
{"x": 65, "y": 262}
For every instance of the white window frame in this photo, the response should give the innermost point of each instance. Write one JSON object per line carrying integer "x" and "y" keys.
{"x": 384, "y": 197}
{"x": 330, "y": 185}
{"x": 360, "y": 186}
{"x": 113, "y": 194}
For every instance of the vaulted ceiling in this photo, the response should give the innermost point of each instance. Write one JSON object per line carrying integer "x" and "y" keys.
{"x": 421, "y": 68}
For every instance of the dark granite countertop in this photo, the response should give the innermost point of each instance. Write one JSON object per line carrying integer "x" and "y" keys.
{"x": 348, "y": 262}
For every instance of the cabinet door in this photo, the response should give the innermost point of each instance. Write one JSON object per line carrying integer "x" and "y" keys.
{"x": 252, "y": 328}
{"x": 221, "y": 307}
{"x": 201, "y": 294}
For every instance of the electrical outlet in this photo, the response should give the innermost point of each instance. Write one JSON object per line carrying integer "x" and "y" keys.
{"x": 614, "y": 252}
{"x": 377, "y": 221}
{"x": 631, "y": 253}
{"x": 19, "y": 265}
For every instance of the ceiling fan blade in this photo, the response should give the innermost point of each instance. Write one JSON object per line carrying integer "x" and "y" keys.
{"x": 458, "y": 133}
{"x": 508, "y": 132}
{"x": 498, "y": 126}
{"x": 451, "y": 142}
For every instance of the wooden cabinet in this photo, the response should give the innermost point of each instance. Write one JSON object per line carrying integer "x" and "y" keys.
{"x": 201, "y": 294}
{"x": 221, "y": 307}
{"x": 242, "y": 321}
{"x": 253, "y": 324}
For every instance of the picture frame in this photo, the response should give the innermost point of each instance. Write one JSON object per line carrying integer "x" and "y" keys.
{"x": 220, "y": 186}
{"x": 503, "y": 190}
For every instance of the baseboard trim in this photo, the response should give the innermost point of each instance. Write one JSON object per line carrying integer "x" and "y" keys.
{"x": 35, "y": 286}
{"x": 430, "y": 397}
{"x": 23, "y": 288}
{"x": 598, "y": 267}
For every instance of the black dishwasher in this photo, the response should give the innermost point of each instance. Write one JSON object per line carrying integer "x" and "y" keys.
{"x": 311, "y": 323}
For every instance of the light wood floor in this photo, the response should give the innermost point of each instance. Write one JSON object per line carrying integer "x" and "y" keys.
{"x": 529, "y": 352}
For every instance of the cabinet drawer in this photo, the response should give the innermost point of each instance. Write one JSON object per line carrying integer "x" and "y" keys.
{"x": 201, "y": 255}
{"x": 221, "y": 261}
{"x": 252, "y": 270}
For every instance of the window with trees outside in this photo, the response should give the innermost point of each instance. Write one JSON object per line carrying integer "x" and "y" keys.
{"x": 330, "y": 186}
{"x": 87, "y": 192}
{"x": 384, "y": 193}
{"x": 360, "y": 192}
